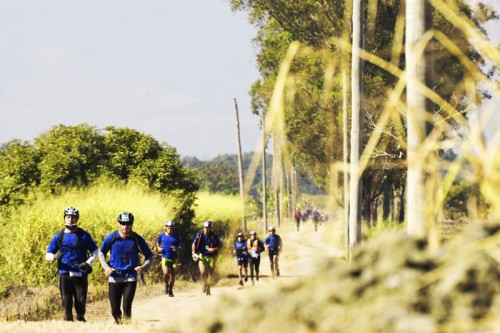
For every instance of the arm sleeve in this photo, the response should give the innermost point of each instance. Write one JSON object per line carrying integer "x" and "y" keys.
{"x": 93, "y": 257}
{"x": 102, "y": 259}
{"x": 146, "y": 251}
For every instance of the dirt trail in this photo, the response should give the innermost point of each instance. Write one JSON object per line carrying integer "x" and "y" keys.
{"x": 155, "y": 312}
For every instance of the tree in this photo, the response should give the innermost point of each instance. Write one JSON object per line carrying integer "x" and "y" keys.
{"x": 127, "y": 149}
{"x": 319, "y": 26}
{"x": 69, "y": 156}
{"x": 18, "y": 172}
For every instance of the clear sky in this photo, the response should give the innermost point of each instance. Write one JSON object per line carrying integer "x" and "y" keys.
{"x": 170, "y": 69}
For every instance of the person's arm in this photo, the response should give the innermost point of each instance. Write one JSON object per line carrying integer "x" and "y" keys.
{"x": 92, "y": 248}
{"x": 52, "y": 249}
{"x": 218, "y": 244}
{"x": 93, "y": 257}
{"x": 159, "y": 245}
{"x": 105, "y": 247}
{"x": 148, "y": 254}
{"x": 107, "y": 269}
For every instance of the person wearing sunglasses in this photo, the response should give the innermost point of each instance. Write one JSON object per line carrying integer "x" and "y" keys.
{"x": 124, "y": 267}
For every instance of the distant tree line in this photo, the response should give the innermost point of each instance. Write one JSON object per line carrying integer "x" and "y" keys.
{"x": 220, "y": 175}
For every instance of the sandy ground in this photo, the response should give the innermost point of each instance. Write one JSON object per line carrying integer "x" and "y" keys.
{"x": 155, "y": 312}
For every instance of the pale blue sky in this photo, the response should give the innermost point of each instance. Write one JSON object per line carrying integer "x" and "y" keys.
{"x": 170, "y": 69}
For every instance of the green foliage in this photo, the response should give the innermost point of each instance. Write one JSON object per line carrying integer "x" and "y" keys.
{"x": 18, "y": 172}
{"x": 127, "y": 149}
{"x": 381, "y": 228}
{"x": 69, "y": 156}
{"x": 313, "y": 97}
{"x": 220, "y": 175}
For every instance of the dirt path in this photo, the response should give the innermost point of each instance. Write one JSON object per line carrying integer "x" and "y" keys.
{"x": 154, "y": 312}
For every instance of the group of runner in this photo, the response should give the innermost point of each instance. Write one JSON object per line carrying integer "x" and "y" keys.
{"x": 248, "y": 254}
{"x": 74, "y": 250}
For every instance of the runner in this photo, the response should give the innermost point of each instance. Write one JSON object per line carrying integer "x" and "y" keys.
{"x": 274, "y": 245}
{"x": 169, "y": 245}
{"x": 205, "y": 247}
{"x": 298, "y": 217}
{"x": 71, "y": 248}
{"x": 240, "y": 250}
{"x": 254, "y": 248}
{"x": 124, "y": 265}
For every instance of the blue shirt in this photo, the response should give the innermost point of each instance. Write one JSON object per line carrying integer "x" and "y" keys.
{"x": 207, "y": 241}
{"x": 166, "y": 242}
{"x": 273, "y": 241}
{"x": 241, "y": 249}
{"x": 71, "y": 254}
{"x": 124, "y": 257}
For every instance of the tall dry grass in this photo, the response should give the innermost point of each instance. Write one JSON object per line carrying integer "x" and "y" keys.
{"x": 28, "y": 283}
{"x": 27, "y": 233}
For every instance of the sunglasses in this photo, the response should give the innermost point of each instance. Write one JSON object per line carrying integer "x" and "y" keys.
{"x": 125, "y": 223}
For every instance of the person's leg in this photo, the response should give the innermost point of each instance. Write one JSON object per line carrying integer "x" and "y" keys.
{"x": 128, "y": 298}
{"x": 171, "y": 274}
{"x": 245, "y": 267}
{"x": 203, "y": 275}
{"x": 81, "y": 289}
{"x": 115, "y": 298}
{"x": 67, "y": 291}
{"x": 257, "y": 265}
{"x": 251, "y": 262}
{"x": 210, "y": 271}
{"x": 240, "y": 271}
{"x": 165, "y": 274}
{"x": 271, "y": 262}
{"x": 277, "y": 264}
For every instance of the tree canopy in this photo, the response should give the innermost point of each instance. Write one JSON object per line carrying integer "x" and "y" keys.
{"x": 313, "y": 97}
{"x": 69, "y": 156}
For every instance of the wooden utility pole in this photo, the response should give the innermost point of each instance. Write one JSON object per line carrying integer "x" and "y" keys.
{"x": 240, "y": 169}
{"x": 356, "y": 128}
{"x": 277, "y": 181}
{"x": 418, "y": 21}
{"x": 264, "y": 197}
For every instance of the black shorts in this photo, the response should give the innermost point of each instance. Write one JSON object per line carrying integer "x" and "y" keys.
{"x": 273, "y": 253}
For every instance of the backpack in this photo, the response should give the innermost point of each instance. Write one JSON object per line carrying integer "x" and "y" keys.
{"x": 199, "y": 237}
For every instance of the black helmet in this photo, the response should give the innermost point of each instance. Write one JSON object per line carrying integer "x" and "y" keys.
{"x": 207, "y": 223}
{"x": 71, "y": 211}
{"x": 125, "y": 218}
{"x": 170, "y": 224}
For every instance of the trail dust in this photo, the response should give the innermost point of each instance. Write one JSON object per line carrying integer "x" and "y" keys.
{"x": 153, "y": 311}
